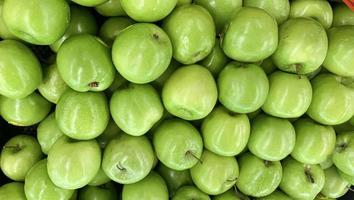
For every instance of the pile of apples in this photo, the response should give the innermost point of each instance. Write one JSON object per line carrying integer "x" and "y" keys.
{"x": 152, "y": 99}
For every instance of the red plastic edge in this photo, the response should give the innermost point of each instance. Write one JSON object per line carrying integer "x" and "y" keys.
{"x": 350, "y": 4}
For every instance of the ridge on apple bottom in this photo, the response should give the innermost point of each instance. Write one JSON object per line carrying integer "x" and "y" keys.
{"x": 176, "y": 99}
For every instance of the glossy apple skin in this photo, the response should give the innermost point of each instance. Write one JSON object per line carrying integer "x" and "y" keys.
{"x": 20, "y": 70}
{"x": 279, "y": 9}
{"x": 332, "y": 101}
{"x": 66, "y": 166}
{"x": 242, "y": 88}
{"x": 302, "y": 46}
{"x": 335, "y": 186}
{"x": 103, "y": 192}
{"x": 99, "y": 179}
{"x": 342, "y": 15}
{"x": 276, "y": 195}
{"x": 231, "y": 194}
{"x": 18, "y": 155}
{"x": 225, "y": 133}
{"x": 82, "y": 115}
{"x": 190, "y": 92}
{"x": 40, "y": 22}
{"x": 24, "y": 112}
{"x": 89, "y": 3}
{"x": 48, "y": 133}
{"x": 38, "y": 185}
{"x": 195, "y": 23}
{"x": 112, "y": 131}
{"x": 340, "y": 48}
{"x": 314, "y": 142}
{"x": 4, "y": 31}
{"x": 343, "y": 155}
{"x": 13, "y": 190}
{"x": 80, "y": 73}
{"x": 152, "y": 187}
{"x": 112, "y": 27}
{"x": 174, "y": 179}
{"x": 271, "y": 138}
{"x": 128, "y": 159}
{"x": 216, "y": 174}
{"x": 349, "y": 179}
{"x": 189, "y": 193}
{"x": 296, "y": 181}
{"x": 110, "y": 8}
{"x": 289, "y": 95}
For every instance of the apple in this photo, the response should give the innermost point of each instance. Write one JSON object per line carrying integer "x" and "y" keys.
{"x": 335, "y": 186}
{"x": 174, "y": 179}
{"x": 68, "y": 168}
{"x": 48, "y": 133}
{"x": 342, "y": 15}
{"x": 301, "y": 181}
{"x": 289, "y": 95}
{"x": 344, "y": 127}
{"x": 243, "y": 88}
{"x": 189, "y": 192}
{"x": 251, "y": 36}
{"x": 128, "y": 159}
{"x": 99, "y": 179}
{"x": 190, "y": 92}
{"x": 112, "y": 131}
{"x": 13, "y": 191}
{"x": 161, "y": 80}
{"x": 349, "y": 179}
{"x": 231, "y": 194}
{"x": 225, "y": 133}
{"x": 80, "y": 73}
{"x": 89, "y": 3}
{"x": 136, "y": 108}
{"x": 183, "y": 2}
{"x": 178, "y": 144}
{"x": 268, "y": 66}
{"x": 18, "y": 155}
{"x": 21, "y": 71}
{"x": 344, "y": 153}
{"x": 276, "y": 195}
{"x": 327, "y": 163}
{"x": 279, "y": 9}
{"x": 271, "y": 138}
{"x": 102, "y": 192}
{"x": 314, "y": 142}
{"x": 118, "y": 82}
{"x": 110, "y": 8}
{"x": 195, "y": 23}
{"x": 4, "y": 31}
{"x": 38, "y": 185}
{"x": 112, "y": 27}
{"x": 332, "y": 101}
{"x": 152, "y": 187}
{"x": 302, "y": 46}
{"x": 215, "y": 174}
{"x": 340, "y": 47}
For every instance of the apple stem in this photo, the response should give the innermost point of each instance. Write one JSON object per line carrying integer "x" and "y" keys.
{"x": 93, "y": 84}
{"x": 267, "y": 163}
{"x": 119, "y": 166}
{"x": 15, "y": 147}
{"x": 309, "y": 175}
{"x": 191, "y": 153}
{"x": 297, "y": 70}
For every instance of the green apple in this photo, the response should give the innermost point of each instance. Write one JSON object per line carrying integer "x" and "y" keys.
{"x": 225, "y": 133}
{"x": 183, "y": 2}
{"x": 190, "y": 193}
{"x": 39, "y": 22}
{"x": 335, "y": 186}
{"x": 161, "y": 80}
{"x": 289, "y": 95}
{"x": 318, "y": 10}
{"x": 301, "y": 181}
{"x": 20, "y": 70}
{"x": 99, "y": 179}
{"x": 342, "y": 15}
{"x": 48, "y": 133}
{"x": 74, "y": 196}
{"x": 112, "y": 27}
{"x": 148, "y": 10}
{"x": 13, "y": 191}
{"x": 4, "y": 31}
{"x": 243, "y": 88}
{"x": 349, "y": 179}
{"x": 81, "y": 21}
{"x": 327, "y": 163}
{"x": 68, "y": 168}
{"x": 333, "y": 100}
{"x": 102, "y": 192}
{"x": 215, "y": 174}
{"x": 136, "y": 108}
{"x": 79, "y": 72}
{"x": 128, "y": 159}
{"x": 302, "y": 46}
{"x": 89, "y": 3}
{"x": 344, "y": 153}
{"x": 152, "y": 187}
{"x": 231, "y": 194}
{"x": 340, "y": 48}
{"x": 276, "y": 195}
{"x": 268, "y": 66}
{"x": 112, "y": 131}
{"x": 279, "y": 9}
{"x": 18, "y": 155}
{"x": 110, "y": 8}
{"x": 321, "y": 197}
{"x": 258, "y": 177}
{"x": 271, "y": 138}
{"x": 118, "y": 82}
{"x": 190, "y": 92}
{"x": 145, "y": 41}
{"x": 222, "y": 11}
{"x": 38, "y": 185}
{"x": 174, "y": 179}
{"x": 251, "y": 36}
{"x": 195, "y": 23}
{"x": 314, "y": 142}
{"x": 24, "y": 112}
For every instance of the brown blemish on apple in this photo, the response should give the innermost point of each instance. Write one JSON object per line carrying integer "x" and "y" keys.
{"x": 155, "y": 36}
{"x": 93, "y": 84}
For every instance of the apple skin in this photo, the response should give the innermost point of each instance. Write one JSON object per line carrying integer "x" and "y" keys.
{"x": 4, "y": 31}
{"x": 38, "y": 185}
{"x": 276, "y": 195}
{"x": 66, "y": 166}
{"x": 290, "y": 104}
{"x": 342, "y": 15}
{"x": 195, "y": 23}
{"x": 178, "y": 144}
{"x": 279, "y": 9}
{"x": 190, "y": 92}
{"x": 128, "y": 159}
{"x": 152, "y": 187}
{"x": 301, "y": 181}
{"x": 332, "y": 101}
{"x": 215, "y": 174}
{"x": 271, "y": 138}
{"x": 20, "y": 70}
{"x": 335, "y": 186}
{"x": 231, "y": 194}
{"x": 327, "y": 163}
{"x": 314, "y": 142}
{"x": 112, "y": 131}
{"x": 13, "y": 191}
{"x": 18, "y": 156}
{"x": 340, "y": 48}
{"x": 303, "y": 45}
{"x": 89, "y": 3}
{"x": 48, "y": 133}
{"x": 251, "y": 36}
{"x": 161, "y": 80}
{"x": 102, "y": 192}
{"x": 349, "y": 179}
{"x": 110, "y": 8}
{"x": 99, "y": 179}
{"x": 183, "y": 2}
{"x": 243, "y": 88}
{"x": 225, "y": 133}
{"x": 189, "y": 192}
{"x": 268, "y": 65}
{"x": 112, "y": 27}
{"x": 344, "y": 153}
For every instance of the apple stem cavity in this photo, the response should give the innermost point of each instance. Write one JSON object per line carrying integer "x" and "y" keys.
{"x": 119, "y": 166}
{"x": 16, "y": 148}
{"x": 267, "y": 163}
{"x": 93, "y": 84}
{"x": 194, "y": 156}
{"x": 297, "y": 70}
{"x": 342, "y": 147}
{"x": 309, "y": 175}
